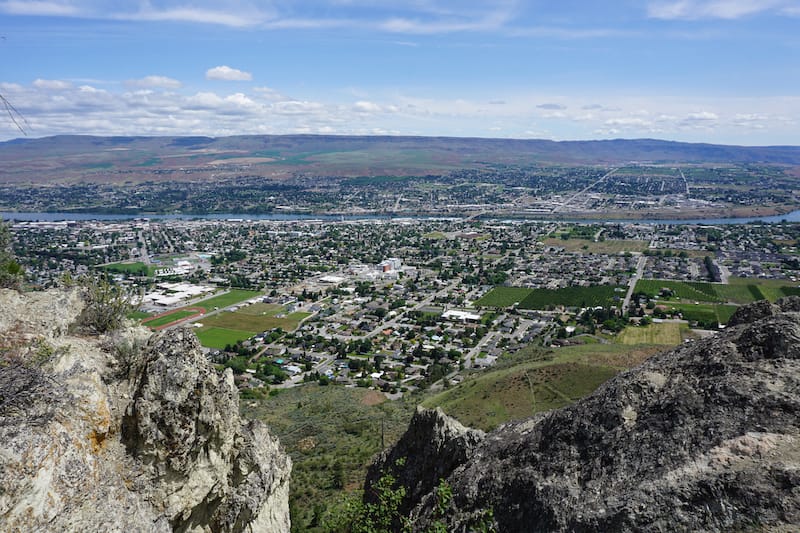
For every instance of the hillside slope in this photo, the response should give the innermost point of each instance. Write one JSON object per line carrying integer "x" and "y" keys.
{"x": 705, "y": 437}
{"x": 74, "y": 158}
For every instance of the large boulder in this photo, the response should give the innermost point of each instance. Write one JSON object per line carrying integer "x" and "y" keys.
{"x": 127, "y": 434}
{"x": 705, "y": 437}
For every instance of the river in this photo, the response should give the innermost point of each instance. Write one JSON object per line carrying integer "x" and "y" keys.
{"x": 793, "y": 216}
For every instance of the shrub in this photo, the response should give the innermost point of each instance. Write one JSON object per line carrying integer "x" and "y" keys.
{"x": 107, "y": 306}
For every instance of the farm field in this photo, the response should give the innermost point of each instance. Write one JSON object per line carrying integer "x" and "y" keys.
{"x": 503, "y": 297}
{"x": 610, "y": 246}
{"x": 687, "y": 290}
{"x": 596, "y": 295}
{"x": 664, "y": 333}
{"x": 738, "y": 290}
{"x": 706, "y": 313}
{"x": 234, "y": 296}
{"x": 771, "y": 289}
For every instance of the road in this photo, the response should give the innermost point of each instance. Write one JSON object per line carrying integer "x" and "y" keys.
{"x": 584, "y": 190}
{"x": 632, "y": 284}
{"x": 144, "y": 256}
{"x": 685, "y": 183}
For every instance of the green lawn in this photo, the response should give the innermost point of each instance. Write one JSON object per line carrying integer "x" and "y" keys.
{"x": 212, "y": 337}
{"x": 138, "y": 315}
{"x": 228, "y": 327}
{"x": 503, "y": 297}
{"x": 168, "y": 319}
{"x": 138, "y": 268}
{"x": 234, "y": 296}
{"x": 261, "y": 309}
{"x": 241, "y": 321}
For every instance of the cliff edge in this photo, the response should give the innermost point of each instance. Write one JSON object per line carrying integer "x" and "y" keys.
{"x": 129, "y": 432}
{"x": 705, "y": 437}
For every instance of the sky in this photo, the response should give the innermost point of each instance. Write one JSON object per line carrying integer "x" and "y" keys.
{"x": 717, "y": 71}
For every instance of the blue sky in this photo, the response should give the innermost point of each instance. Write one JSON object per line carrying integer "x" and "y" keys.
{"x": 721, "y": 71}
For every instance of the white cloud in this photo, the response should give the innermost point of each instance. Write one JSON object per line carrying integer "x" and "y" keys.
{"x": 702, "y": 116}
{"x": 41, "y": 9}
{"x": 366, "y": 107}
{"x": 227, "y": 73}
{"x": 719, "y": 9}
{"x": 88, "y": 89}
{"x": 155, "y": 82}
{"x": 196, "y": 15}
{"x": 627, "y": 122}
{"x": 53, "y": 85}
{"x": 404, "y": 17}
{"x": 268, "y": 93}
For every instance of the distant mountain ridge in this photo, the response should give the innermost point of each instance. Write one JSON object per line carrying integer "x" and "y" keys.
{"x": 77, "y": 156}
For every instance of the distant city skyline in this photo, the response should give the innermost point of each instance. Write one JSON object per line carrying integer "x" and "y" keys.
{"x": 720, "y": 71}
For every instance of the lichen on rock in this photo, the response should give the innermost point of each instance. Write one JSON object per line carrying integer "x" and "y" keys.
{"x": 153, "y": 445}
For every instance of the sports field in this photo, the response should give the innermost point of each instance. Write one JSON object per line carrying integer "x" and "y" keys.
{"x": 221, "y": 337}
{"x": 234, "y": 296}
{"x": 228, "y": 327}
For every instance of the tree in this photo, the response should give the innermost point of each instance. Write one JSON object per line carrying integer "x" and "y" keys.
{"x": 11, "y": 272}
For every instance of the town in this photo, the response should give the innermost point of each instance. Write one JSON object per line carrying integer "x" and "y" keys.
{"x": 403, "y": 304}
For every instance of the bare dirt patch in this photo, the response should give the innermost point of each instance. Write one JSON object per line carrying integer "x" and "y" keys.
{"x": 373, "y": 398}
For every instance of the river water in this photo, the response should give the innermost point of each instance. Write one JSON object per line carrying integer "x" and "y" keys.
{"x": 793, "y": 216}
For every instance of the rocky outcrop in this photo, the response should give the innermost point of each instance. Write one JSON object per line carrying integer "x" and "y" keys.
{"x": 705, "y": 437}
{"x": 140, "y": 434}
{"x": 430, "y": 450}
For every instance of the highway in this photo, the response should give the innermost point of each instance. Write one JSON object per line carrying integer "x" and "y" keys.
{"x": 632, "y": 284}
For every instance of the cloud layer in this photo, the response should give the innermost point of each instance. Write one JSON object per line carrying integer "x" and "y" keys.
{"x": 161, "y": 105}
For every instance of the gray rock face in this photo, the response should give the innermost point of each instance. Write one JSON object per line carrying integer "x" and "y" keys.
{"x": 162, "y": 449}
{"x": 430, "y": 450}
{"x": 702, "y": 438}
